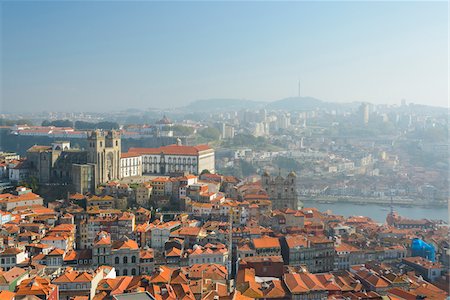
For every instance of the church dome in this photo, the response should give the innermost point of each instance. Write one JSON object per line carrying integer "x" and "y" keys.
{"x": 164, "y": 121}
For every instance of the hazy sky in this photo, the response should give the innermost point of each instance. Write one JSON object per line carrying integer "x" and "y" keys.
{"x": 89, "y": 55}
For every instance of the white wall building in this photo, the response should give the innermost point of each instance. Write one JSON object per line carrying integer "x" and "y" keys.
{"x": 176, "y": 158}
{"x": 130, "y": 165}
{"x": 160, "y": 234}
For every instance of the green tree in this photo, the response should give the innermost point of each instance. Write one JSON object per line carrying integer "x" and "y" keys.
{"x": 205, "y": 171}
{"x": 31, "y": 183}
{"x": 181, "y": 130}
{"x": 210, "y": 133}
{"x": 247, "y": 168}
{"x": 287, "y": 163}
{"x": 6, "y": 122}
{"x": 58, "y": 123}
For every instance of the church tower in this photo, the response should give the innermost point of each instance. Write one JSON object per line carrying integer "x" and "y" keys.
{"x": 104, "y": 150}
{"x": 282, "y": 191}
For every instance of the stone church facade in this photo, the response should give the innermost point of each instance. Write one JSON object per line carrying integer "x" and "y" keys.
{"x": 104, "y": 151}
{"x": 84, "y": 169}
{"x": 282, "y": 191}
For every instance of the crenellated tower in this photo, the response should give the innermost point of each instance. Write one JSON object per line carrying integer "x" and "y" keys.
{"x": 104, "y": 150}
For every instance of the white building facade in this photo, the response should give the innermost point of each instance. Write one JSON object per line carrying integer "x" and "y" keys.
{"x": 176, "y": 158}
{"x": 130, "y": 165}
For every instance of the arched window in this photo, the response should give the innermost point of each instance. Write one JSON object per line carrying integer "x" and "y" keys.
{"x": 125, "y": 272}
{"x": 116, "y": 260}
{"x": 125, "y": 259}
{"x": 133, "y": 271}
{"x": 133, "y": 260}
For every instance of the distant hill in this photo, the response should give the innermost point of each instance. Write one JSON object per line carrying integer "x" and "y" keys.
{"x": 223, "y": 105}
{"x": 288, "y": 104}
{"x": 297, "y": 103}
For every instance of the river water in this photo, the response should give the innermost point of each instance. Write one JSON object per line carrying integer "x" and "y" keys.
{"x": 379, "y": 212}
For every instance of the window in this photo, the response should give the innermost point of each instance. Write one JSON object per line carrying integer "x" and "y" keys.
{"x": 125, "y": 259}
{"x": 133, "y": 271}
{"x": 116, "y": 260}
{"x": 133, "y": 259}
{"x": 125, "y": 272}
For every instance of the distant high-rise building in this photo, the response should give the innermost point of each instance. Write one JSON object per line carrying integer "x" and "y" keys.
{"x": 284, "y": 121}
{"x": 364, "y": 113}
{"x": 227, "y": 131}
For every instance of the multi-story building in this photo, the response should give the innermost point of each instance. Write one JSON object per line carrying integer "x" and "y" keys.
{"x": 21, "y": 197}
{"x": 101, "y": 251}
{"x": 146, "y": 261}
{"x": 123, "y": 254}
{"x": 10, "y": 257}
{"x": 143, "y": 194}
{"x": 428, "y": 269}
{"x": 159, "y": 186}
{"x": 347, "y": 255}
{"x": 160, "y": 233}
{"x": 130, "y": 165}
{"x": 267, "y": 246}
{"x": 217, "y": 254}
{"x": 117, "y": 224}
{"x": 316, "y": 253}
{"x": 74, "y": 283}
{"x": 176, "y": 158}
{"x": 83, "y": 178}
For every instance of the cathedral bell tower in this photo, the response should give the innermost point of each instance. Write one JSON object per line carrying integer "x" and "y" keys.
{"x": 104, "y": 150}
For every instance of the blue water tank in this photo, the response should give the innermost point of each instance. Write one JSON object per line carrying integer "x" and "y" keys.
{"x": 422, "y": 249}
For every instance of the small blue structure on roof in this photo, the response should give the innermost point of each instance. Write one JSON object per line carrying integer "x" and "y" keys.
{"x": 422, "y": 249}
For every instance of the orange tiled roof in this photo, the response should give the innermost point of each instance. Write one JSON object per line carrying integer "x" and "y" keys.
{"x": 266, "y": 242}
{"x": 171, "y": 150}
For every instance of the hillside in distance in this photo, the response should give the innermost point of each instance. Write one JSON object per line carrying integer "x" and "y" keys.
{"x": 289, "y": 104}
{"x": 211, "y": 105}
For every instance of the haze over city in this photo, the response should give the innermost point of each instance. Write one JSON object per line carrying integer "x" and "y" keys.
{"x": 212, "y": 150}
{"x": 96, "y": 56}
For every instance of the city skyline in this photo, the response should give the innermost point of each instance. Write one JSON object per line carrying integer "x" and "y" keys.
{"x": 163, "y": 55}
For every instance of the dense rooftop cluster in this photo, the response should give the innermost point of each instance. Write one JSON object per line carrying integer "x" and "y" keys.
{"x": 225, "y": 241}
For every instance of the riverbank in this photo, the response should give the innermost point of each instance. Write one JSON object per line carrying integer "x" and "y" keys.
{"x": 397, "y": 201}
{"x": 379, "y": 212}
